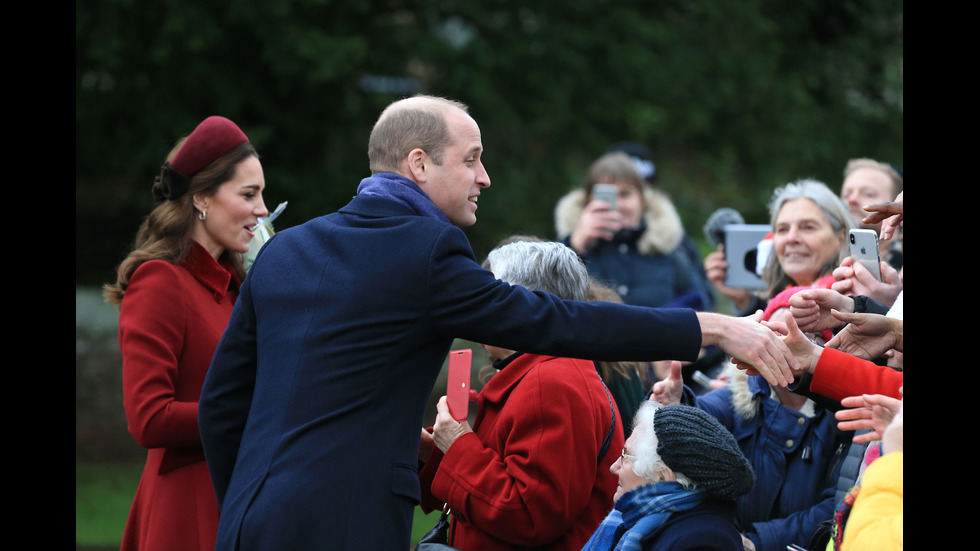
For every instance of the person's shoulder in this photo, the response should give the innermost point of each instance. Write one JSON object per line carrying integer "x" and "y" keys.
{"x": 155, "y": 272}
{"x": 560, "y": 372}
{"x": 711, "y": 525}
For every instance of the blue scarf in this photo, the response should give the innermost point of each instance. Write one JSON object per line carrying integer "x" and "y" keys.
{"x": 641, "y": 511}
{"x": 402, "y": 190}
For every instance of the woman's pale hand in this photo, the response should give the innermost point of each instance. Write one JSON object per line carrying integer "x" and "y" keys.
{"x": 855, "y": 280}
{"x": 811, "y": 308}
{"x": 873, "y": 412}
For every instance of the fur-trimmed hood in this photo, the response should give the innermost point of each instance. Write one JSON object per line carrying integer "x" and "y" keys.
{"x": 664, "y": 230}
{"x": 746, "y": 390}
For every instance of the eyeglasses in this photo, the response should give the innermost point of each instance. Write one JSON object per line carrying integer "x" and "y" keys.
{"x": 626, "y": 456}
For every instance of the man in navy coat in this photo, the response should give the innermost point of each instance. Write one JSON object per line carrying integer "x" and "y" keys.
{"x": 311, "y": 411}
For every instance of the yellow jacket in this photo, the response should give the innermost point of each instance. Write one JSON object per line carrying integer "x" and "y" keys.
{"x": 877, "y": 519}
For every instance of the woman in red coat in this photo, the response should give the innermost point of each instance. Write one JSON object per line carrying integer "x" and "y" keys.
{"x": 534, "y": 470}
{"x": 175, "y": 293}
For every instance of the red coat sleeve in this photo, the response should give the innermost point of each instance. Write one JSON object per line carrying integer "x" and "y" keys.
{"x": 839, "y": 375}
{"x": 152, "y": 328}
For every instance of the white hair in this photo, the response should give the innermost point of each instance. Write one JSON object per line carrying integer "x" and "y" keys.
{"x": 541, "y": 266}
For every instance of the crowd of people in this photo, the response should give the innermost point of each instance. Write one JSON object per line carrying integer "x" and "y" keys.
{"x": 281, "y": 405}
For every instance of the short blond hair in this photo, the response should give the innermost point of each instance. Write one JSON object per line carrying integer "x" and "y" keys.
{"x": 893, "y": 175}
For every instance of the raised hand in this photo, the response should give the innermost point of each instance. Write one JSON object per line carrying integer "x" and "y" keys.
{"x": 873, "y": 412}
{"x": 598, "y": 221}
{"x": 668, "y": 392}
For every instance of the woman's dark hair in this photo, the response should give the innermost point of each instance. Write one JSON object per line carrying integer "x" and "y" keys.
{"x": 165, "y": 234}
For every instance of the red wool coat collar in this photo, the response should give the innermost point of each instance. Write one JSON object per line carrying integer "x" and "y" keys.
{"x": 219, "y": 278}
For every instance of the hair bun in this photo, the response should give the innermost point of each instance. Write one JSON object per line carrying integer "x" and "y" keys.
{"x": 170, "y": 184}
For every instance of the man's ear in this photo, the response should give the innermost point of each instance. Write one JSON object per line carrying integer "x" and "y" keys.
{"x": 418, "y": 164}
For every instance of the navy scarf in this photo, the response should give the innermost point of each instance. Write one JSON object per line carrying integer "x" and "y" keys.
{"x": 640, "y": 511}
{"x": 402, "y": 190}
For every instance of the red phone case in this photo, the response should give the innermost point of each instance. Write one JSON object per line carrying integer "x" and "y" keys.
{"x": 458, "y": 388}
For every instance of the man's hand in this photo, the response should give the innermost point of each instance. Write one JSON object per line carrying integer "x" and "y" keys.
{"x": 668, "y": 392}
{"x": 752, "y": 345}
{"x": 867, "y": 335}
{"x": 807, "y": 353}
{"x": 811, "y": 309}
{"x": 855, "y": 279}
{"x": 873, "y": 412}
{"x": 447, "y": 430}
{"x": 889, "y": 214}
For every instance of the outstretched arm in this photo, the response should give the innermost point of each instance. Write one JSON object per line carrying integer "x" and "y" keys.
{"x": 868, "y": 335}
{"x": 889, "y": 214}
{"x": 873, "y": 412}
{"x": 751, "y": 345}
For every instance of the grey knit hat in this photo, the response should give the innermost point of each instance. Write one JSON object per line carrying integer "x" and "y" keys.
{"x": 695, "y": 444}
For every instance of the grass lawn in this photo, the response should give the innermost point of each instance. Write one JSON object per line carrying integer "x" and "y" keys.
{"x": 104, "y": 492}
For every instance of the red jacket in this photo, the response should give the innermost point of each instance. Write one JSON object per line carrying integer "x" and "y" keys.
{"x": 170, "y": 322}
{"x": 839, "y": 375}
{"x": 528, "y": 474}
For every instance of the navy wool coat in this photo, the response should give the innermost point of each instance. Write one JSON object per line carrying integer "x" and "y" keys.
{"x": 313, "y": 406}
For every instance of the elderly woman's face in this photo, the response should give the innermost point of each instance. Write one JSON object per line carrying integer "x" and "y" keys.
{"x": 804, "y": 240}
{"x": 623, "y": 468}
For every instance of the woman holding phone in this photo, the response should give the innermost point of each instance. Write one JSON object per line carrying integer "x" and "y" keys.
{"x": 810, "y": 225}
{"x": 633, "y": 244}
{"x": 175, "y": 291}
{"x": 534, "y": 469}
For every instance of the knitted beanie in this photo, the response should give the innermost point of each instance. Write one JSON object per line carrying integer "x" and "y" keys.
{"x": 695, "y": 444}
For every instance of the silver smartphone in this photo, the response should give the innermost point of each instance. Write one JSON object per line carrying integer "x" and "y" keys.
{"x": 742, "y": 253}
{"x": 607, "y": 193}
{"x": 864, "y": 250}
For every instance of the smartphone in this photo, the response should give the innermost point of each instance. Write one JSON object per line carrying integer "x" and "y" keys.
{"x": 744, "y": 255}
{"x": 864, "y": 250}
{"x": 458, "y": 387}
{"x": 607, "y": 193}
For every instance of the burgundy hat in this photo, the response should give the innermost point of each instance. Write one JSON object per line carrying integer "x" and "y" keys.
{"x": 214, "y": 137}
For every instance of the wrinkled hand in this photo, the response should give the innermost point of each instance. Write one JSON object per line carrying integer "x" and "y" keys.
{"x": 752, "y": 345}
{"x": 446, "y": 429}
{"x": 598, "y": 221}
{"x": 889, "y": 214}
{"x": 867, "y": 335}
{"x": 811, "y": 309}
{"x": 871, "y": 412}
{"x": 716, "y": 269}
{"x": 854, "y": 279}
{"x": 668, "y": 392}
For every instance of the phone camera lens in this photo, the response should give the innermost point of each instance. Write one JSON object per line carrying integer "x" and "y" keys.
{"x": 852, "y": 240}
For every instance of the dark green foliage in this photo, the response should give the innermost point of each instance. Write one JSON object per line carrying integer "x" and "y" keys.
{"x": 733, "y": 98}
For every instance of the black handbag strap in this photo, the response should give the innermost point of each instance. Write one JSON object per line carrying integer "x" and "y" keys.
{"x": 612, "y": 426}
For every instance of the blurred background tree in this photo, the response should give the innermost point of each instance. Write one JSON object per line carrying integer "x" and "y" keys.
{"x": 732, "y": 98}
